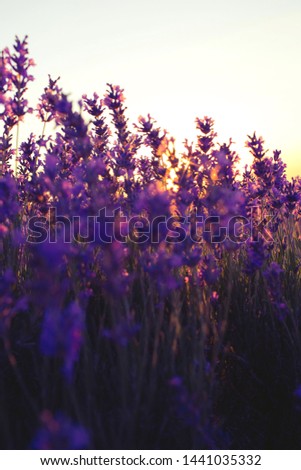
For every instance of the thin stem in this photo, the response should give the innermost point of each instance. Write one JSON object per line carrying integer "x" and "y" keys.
{"x": 17, "y": 149}
{"x": 44, "y": 127}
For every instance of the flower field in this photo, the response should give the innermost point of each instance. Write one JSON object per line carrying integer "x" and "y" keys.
{"x": 148, "y": 299}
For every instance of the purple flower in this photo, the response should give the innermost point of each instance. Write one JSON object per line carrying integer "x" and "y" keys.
{"x": 224, "y": 171}
{"x": 255, "y": 144}
{"x": 114, "y": 101}
{"x": 207, "y": 136}
{"x": 101, "y": 132}
{"x": 62, "y": 334}
{"x": 20, "y": 64}
{"x": 162, "y": 266}
{"x": 117, "y": 278}
{"x": 48, "y": 102}
{"x": 9, "y": 206}
{"x": 154, "y": 200}
{"x": 292, "y": 195}
{"x": 58, "y": 432}
{"x": 274, "y": 286}
{"x": 154, "y": 137}
{"x": 256, "y": 255}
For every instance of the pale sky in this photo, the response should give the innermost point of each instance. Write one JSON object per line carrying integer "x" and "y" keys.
{"x": 236, "y": 61}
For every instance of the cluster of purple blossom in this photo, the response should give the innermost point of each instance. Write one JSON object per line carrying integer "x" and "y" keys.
{"x": 96, "y": 160}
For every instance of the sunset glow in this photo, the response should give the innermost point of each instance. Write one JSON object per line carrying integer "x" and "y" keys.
{"x": 234, "y": 61}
